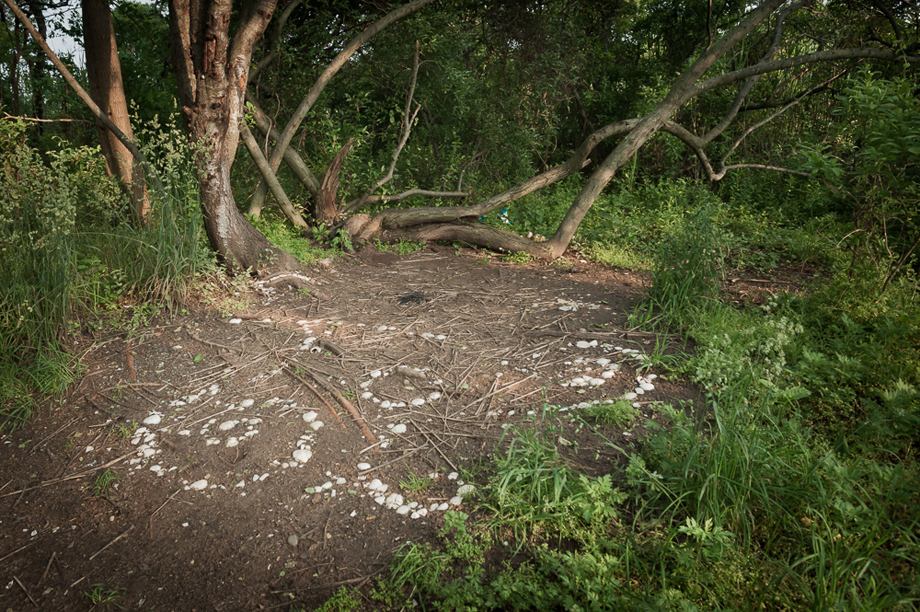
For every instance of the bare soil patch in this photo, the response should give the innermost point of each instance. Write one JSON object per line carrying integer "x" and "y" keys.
{"x": 204, "y": 420}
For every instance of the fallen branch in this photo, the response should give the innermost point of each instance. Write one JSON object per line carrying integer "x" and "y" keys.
{"x": 317, "y": 394}
{"x": 123, "y": 534}
{"x": 345, "y": 404}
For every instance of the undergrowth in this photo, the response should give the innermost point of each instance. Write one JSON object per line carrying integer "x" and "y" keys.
{"x": 794, "y": 491}
{"x": 72, "y": 249}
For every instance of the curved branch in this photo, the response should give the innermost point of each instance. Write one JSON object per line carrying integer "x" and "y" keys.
{"x": 274, "y": 39}
{"x": 310, "y": 99}
{"x": 801, "y": 60}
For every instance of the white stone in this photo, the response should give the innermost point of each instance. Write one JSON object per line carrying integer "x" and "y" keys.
{"x": 434, "y": 395}
{"x": 227, "y": 425}
{"x": 364, "y": 466}
{"x": 443, "y": 506}
{"x": 367, "y": 395}
{"x": 418, "y": 401}
{"x": 385, "y": 404}
{"x": 376, "y": 374}
{"x": 153, "y": 419}
{"x": 629, "y": 396}
{"x": 232, "y": 442}
{"x": 246, "y": 403}
{"x": 235, "y": 321}
{"x": 466, "y": 490}
{"x": 375, "y": 484}
{"x": 301, "y": 455}
{"x": 309, "y": 417}
{"x": 198, "y": 485}
{"x": 399, "y": 429}
{"x": 582, "y": 344}
{"x": 316, "y": 425}
{"x": 647, "y": 386}
{"x": 453, "y": 476}
{"x": 403, "y": 510}
{"x": 456, "y": 501}
{"x": 603, "y": 362}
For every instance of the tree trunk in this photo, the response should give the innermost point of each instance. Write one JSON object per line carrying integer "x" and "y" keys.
{"x": 212, "y": 69}
{"x": 107, "y": 90}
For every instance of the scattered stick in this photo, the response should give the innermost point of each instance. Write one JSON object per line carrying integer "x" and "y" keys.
{"x": 437, "y": 448}
{"x": 345, "y": 404}
{"x": 47, "y": 569}
{"x": 76, "y": 476}
{"x": 406, "y": 455}
{"x": 7, "y": 556}
{"x": 123, "y": 534}
{"x": 25, "y": 590}
{"x": 317, "y": 394}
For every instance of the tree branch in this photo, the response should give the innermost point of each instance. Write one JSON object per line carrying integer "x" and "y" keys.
{"x": 269, "y": 177}
{"x": 310, "y": 99}
{"x": 407, "y": 129}
{"x": 291, "y": 157}
{"x": 811, "y": 58}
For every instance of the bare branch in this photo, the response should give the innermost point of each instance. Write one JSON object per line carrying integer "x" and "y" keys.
{"x": 310, "y": 99}
{"x": 811, "y": 58}
{"x": 291, "y": 157}
{"x": 269, "y": 177}
{"x": 408, "y": 121}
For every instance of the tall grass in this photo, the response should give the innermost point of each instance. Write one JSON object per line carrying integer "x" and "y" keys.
{"x": 68, "y": 247}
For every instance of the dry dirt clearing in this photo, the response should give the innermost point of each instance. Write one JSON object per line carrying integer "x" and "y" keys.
{"x": 262, "y": 457}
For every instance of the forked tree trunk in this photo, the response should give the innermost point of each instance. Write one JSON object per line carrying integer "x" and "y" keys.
{"x": 212, "y": 69}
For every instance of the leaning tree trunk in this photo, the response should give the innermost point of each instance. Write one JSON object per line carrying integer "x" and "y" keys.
{"x": 212, "y": 69}
{"x": 107, "y": 90}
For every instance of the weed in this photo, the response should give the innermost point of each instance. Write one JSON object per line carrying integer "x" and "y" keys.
{"x": 343, "y": 600}
{"x": 519, "y": 258}
{"x": 415, "y": 483}
{"x": 619, "y": 413}
{"x": 400, "y": 247}
{"x": 103, "y": 481}
{"x": 99, "y": 595}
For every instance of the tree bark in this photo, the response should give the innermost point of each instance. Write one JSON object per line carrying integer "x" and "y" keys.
{"x": 212, "y": 70}
{"x": 107, "y": 90}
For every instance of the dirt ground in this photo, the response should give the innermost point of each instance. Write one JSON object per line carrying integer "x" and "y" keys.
{"x": 263, "y": 457}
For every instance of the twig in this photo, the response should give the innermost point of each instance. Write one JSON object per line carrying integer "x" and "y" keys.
{"x": 83, "y": 474}
{"x": 397, "y": 460}
{"x": 150, "y": 520}
{"x": 25, "y": 590}
{"x": 47, "y": 569}
{"x": 123, "y": 534}
{"x": 216, "y": 345}
{"x": 317, "y": 394}
{"x": 7, "y": 556}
